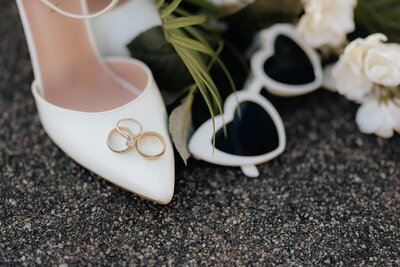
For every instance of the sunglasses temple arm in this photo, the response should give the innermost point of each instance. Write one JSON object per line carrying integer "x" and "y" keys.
{"x": 250, "y": 171}
{"x": 254, "y": 85}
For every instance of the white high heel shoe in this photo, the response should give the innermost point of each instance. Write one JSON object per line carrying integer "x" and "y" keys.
{"x": 80, "y": 99}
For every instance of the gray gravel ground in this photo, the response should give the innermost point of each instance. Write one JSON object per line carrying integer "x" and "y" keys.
{"x": 333, "y": 198}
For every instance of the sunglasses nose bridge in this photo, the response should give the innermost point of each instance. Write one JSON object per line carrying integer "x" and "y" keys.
{"x": 254, "y": 85}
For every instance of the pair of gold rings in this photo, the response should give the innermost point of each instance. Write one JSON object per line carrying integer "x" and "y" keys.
{"x": 134, "y": 139}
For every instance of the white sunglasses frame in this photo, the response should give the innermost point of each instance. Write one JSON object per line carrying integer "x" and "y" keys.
{"x": 267, "y": 50}
{"x": 201, "y": 146}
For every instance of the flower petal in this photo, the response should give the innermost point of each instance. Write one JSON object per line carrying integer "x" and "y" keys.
{"x": 376, "y": 118}
{"x": 382, "y": 65}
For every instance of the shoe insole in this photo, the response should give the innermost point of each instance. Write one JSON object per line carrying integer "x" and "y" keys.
{"x": 71, "y": 73}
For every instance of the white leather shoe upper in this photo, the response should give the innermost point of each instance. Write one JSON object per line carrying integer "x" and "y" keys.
{"x": 83, "y": 136}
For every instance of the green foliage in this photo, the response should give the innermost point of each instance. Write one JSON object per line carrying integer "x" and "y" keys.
{"x": 168, "y": 69}
{"x": 383, "y": 16}
{"x": 208, "y": 7}
{"x": 180, "y": 125}
{"x": 263, "y": 13}
{"x": 194, "y": 49}
{"x": 260, "y": 15}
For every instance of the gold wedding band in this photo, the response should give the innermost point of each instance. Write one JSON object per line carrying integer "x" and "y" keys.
{"x": 128, "y": 139}
{"x": 151, "y": 134}
{"x": 134, "y": 139}
{"x": 127, "y": 136}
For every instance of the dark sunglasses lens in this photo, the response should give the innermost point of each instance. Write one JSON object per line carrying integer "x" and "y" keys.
{"x": 252, "y": 133}
{"x": 290, "y": 64}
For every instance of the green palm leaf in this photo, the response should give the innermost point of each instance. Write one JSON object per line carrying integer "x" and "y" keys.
{"x": 180, "y": 29}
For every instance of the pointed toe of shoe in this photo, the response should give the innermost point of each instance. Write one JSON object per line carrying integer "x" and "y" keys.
{"x": 159, "y": 185}
{"x": 152, "y": 180}
{"x": 84, "y": 137}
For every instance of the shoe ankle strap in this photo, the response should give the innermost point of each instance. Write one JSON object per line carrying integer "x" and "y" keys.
{"x": 54, "y": 7}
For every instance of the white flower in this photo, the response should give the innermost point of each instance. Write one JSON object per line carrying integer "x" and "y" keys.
{"x": 349, "y": 72}
{"x": 327, "y": 22}
{"x": 379, "y": 118}
{"x": 369, "y": 72}
{"x": 382, "y": 65}
{"x": 328, "y": 82}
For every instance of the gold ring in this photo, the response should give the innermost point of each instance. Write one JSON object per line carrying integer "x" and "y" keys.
{"x": 133, "y": 136}
{"x": 129, "y": 141}
{"x": 149, "y": 134}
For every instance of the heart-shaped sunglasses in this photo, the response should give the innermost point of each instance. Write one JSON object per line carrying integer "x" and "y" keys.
{"x": 284, "y": 66}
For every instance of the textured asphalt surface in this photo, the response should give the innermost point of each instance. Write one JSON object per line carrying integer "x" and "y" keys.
{"x": 333, "y": 198}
